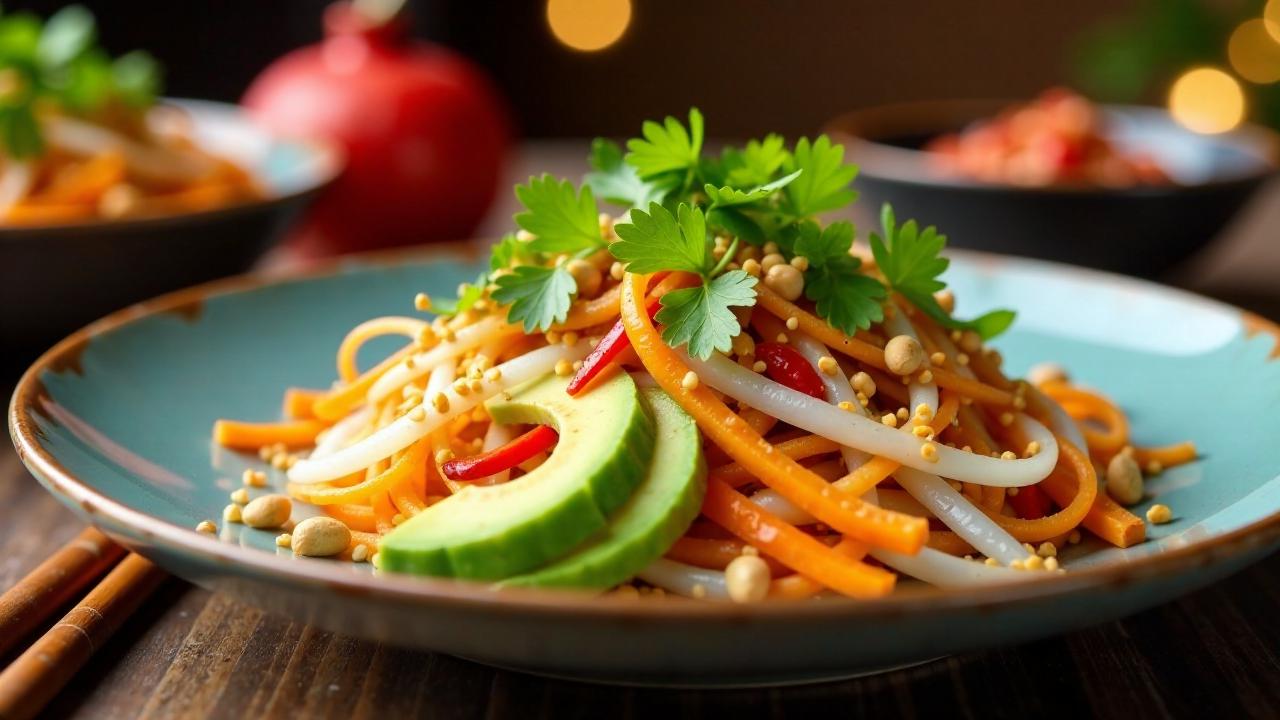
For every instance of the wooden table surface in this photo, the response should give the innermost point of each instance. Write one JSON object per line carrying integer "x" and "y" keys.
{"x": 190, "y": 653}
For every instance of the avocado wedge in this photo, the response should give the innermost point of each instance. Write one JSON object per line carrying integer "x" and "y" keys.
{"x": 494, "y": 532}
{"x": 659, "y": 512}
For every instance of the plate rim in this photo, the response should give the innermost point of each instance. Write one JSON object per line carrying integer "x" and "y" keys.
{"x": 213, "y": 552}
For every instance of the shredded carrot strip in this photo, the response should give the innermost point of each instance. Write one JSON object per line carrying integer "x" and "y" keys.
{"x": 809, "y": 492}
{"x": 793, "y": 548}
{"x": 949, "y": 543}
{"x": 356, "y": 517}
{"x": 869, "y": 354}
{"x": 406, "y": 497}
{"x": 383, "y": 512}
{"x": 359, "y": 537}
{"x": 322, "y": 494}
{"x": 1085, "y": 405}
{"x": 366, "y": 331}
{"x": 338, "y": 402}
{"x": 251, "y": 436}
{"x": 1075, "y": 502}
{"x": 1168, "y": 456}
{"x": 1108, "y": 520}
{"x": 586, "y": 313}
{"x": 796, "y": 448}
{"x": 299, "y": 403}
{"x": 714, "y": 553}
{"x": 799, "y": 587}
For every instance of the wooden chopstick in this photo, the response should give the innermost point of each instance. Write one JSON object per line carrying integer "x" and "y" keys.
{"x": 55, "y": 581}
{"x": 37, "y": 675}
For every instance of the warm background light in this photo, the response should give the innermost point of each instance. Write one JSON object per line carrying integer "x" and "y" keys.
{"x": 588, "y": 25}
{"x": 1207, "y": 100}
{"x": 1254, "y": 53}
{"x": 1271, "y": 16}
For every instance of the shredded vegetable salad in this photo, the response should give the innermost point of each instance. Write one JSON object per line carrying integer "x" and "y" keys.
{"x": 703, "y": 391}
{"x": 82, "y": 137}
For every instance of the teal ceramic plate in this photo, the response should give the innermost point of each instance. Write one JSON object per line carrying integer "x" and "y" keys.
{"x": 115, "y": 422}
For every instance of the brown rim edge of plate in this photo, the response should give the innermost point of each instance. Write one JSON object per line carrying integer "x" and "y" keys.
{"x": 554, "y": 602}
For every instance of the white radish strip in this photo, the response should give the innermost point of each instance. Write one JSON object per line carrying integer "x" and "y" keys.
{"x": 872, "y": 437}
{"x": 943, "y": 570}
{"x": 342, "y": 432}
{"x": 920, "y": 393}
{"x": 838, "y": 391}
{"x": 495, "y": 437}
{"x": 15, "y": 182}
{"x": 405, "y": 430}
{"x": 420, "y": 364}
{"x": 956, "y": 512}
{"x": 441, "y": 377}
{"x": 154, "y": 163}
{"x": 682, "y": 579}
{"x": 1061, "y": 423}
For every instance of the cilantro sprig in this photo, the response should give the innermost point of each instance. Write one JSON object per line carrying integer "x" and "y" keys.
{"x": 59, "y": 64}
{"x": 681, "y": 204}
{"x": 700, "y": 316}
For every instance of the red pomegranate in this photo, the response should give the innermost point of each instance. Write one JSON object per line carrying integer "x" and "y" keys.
{"x": 424, "y": 130}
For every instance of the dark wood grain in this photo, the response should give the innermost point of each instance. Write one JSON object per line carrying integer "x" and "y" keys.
{"x": 191, "y": 654}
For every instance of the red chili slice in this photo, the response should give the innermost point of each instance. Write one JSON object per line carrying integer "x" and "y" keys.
{"x": 785, "y": 365}
{"x": 1031, "y": 503}
{"x": 605, "y": 352}
{"x": 506, "y": 457}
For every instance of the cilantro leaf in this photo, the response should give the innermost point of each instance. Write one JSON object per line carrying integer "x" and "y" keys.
{"x": 667, "y": 148}
{"x": 20, "y": 133}
{"x": 560, "y": 220}
{"x": 910, "y": 260}
{"x": 468, "y": 294}
{"x": 737, "y": 224}
{"x": 137, "y": 78}
{"x": 617, "y": 182}
{"x": 825, "y": 183}
{"x": 756, "y": 163}
{"x": 655, "y": 241}
{"x": 539, "y": 296}
{"x": 67, "y": 33}
{"x": 701, "y": 316}
{"x": 727, "y": 196}
{"x": 507, "y": 250}
{"x": 842, "y": 296}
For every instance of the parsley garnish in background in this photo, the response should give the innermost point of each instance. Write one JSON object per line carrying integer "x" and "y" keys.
{"x": 58, "y": 63}
{"x": 678, "y": 200}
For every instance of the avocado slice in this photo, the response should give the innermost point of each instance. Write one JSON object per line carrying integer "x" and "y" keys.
{"x": 494, "y": 532}
{"x": 659, "y": 512}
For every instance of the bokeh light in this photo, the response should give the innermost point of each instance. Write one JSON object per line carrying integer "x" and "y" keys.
{"x": 1207, "y": 100}
{"x": 1254, "y": 53}
{"x": 588, "y": 25}
{"x": 1271, "y": 18}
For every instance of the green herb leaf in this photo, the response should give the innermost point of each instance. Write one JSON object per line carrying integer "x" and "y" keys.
{"x": 507, "y": 251}
{"x": 560, "y": 220}
{"x": 736, "y": 223}
{"x": 655, "y": 241}
{"x": 539, "y": 296}
{"x": 825, "y": 183}
{"x": 67, "y": 34}
{"x": 842, "y": 296}
{"x": 911, "y": 262}
{"x": 617, "y": 182}
{"x": 667, "y": 148}
{"x": 137, "y": 78}
{"x": 727, "y": 196}
{"x": 20, "y": 133}
{"x": 701, "y": 316}
{"x": 468, "y": 294}
{"x": 755, "y": 164}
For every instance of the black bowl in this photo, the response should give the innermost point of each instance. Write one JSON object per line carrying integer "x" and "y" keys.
{"x": 1141, "y": 230}
{"x": 54, "y": 279}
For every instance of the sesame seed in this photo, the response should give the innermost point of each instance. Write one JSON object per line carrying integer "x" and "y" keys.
{"x": 938, "y": 358}
{"x": 759, "y": 366}
{"x": 571, "y": 338}
{"x": 616, "y": 270}
{"x": 793, "y": 323}
{"x": 828, "y": 365}
{"x": 231, "y": 513}
{"x": 207, "y": 527}
{"x": 690, "y": 381}
{"x": 926, "y": 376}
{"x": 564, "y": 368}
{"x": 1159, "y": 514}
{"x": 1008, "y": 455}
{"x": 284, "y": 540}
{"x": 240, "y": 497}
{"x": 443, "y": 456}
{"x": 782, "y": 338}
{"x": 422, "y": 302}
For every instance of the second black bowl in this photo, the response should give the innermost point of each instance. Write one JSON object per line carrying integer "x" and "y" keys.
{"x": 1142, "y": 230}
